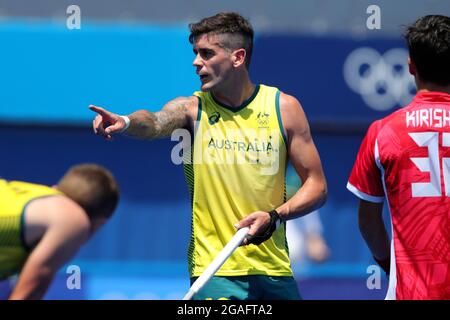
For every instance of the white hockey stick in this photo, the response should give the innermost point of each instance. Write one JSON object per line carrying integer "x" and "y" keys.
{"x": 217, "y": 262}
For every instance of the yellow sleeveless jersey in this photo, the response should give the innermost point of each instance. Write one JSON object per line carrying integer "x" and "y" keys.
{"x": 14, "y": 197}
{"x": 238, "y": 166}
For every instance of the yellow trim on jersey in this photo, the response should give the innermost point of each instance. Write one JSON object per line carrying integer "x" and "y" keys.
{"x": 239, "y": 166}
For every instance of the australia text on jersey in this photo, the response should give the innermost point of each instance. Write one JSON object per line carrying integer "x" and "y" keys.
{"x": 234, "y": 146}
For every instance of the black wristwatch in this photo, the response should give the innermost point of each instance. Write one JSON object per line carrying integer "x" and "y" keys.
{"x": 275, "y": 221}
{"x": 275, "y": 218}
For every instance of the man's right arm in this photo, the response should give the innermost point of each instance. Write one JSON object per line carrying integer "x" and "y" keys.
{"x": 177, "y": 113}
{"x": 373, "y": 230}
{"x": 68, "y": 229}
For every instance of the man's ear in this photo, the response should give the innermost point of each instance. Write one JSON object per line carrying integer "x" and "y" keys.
{"x": 412, "y": 67}
{"x": 239, "y": 56}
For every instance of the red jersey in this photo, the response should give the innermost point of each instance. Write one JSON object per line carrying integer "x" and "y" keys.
{"x": 406, "y": 157}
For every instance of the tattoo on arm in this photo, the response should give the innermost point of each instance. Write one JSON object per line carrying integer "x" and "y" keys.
{"x": 149, "y": 125}
{"x": 173, "y": 116}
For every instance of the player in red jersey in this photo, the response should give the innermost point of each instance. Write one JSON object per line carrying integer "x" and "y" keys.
{"x": 405, "y": 157}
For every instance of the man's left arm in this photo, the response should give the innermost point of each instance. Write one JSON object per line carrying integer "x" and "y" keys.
{"x": 305, "y": 160}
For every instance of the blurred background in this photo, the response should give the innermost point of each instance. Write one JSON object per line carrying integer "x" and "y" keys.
{"x": 135, "y": 54}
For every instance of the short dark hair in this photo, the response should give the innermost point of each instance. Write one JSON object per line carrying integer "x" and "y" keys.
{"x": 428, "y": 42}
{"x": 238, "y": 32}
{"x": 93, "y": 187}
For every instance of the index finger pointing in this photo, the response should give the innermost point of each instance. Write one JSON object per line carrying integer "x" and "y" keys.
{"x": 99, "y": 110}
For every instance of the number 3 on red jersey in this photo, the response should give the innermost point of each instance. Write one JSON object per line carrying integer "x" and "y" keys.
{"x": 431, "y": 164}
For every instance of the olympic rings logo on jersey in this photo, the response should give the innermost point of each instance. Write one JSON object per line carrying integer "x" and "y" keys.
{"x": 383, "y": 81}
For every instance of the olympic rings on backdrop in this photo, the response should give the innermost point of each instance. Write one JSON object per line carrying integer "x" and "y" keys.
{"x": 383, "y": 81}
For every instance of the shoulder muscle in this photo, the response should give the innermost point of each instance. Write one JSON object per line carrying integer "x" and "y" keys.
{"x": 293, "y": 117}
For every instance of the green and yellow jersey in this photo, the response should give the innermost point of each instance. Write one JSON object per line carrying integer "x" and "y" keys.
{"x": 238, "y": 166}
{"x": 14, "y": 198}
